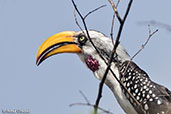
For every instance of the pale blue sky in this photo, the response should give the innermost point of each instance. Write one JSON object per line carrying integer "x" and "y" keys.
{"x": 51, "y": 87}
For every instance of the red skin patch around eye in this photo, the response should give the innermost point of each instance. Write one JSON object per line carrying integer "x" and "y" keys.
{"x": 92, "y": 63}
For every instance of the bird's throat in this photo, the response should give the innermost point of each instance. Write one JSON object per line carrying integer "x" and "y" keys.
{"x": 92, "y": 63}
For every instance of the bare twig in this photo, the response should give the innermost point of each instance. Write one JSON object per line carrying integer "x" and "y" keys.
{"x": 117, "y": 3}
{"x": 110, "y": 61}
{"x": 93, "y": 11}
{"x": 113, "y": 43}
{"x": 115, "y": 10}
{"x": 91, "y": 105}
{"x": 142, "y": 47}
{"x": 127, "y": 11}
{"x": 86, "y": 29}
{"x": 111, "y": 33}
{"x": 85, "y": 98}
{"x": 113, "y": 18}
{"x": 114, "y": 49}
{"x": 75, "y": 17}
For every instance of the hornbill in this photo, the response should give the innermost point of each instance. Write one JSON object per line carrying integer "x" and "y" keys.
{"x": 152, "y": 97}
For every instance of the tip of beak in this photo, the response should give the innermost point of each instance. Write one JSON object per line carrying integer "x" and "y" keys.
{"x": 37, "y": 61}
{"x": 37, "y": 64}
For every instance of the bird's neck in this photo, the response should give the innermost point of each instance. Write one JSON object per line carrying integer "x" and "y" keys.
{"x": 92, "y": 63}
{"x": 98, "y": 67}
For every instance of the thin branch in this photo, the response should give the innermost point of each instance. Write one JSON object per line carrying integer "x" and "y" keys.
{"x": 91, "y": 105}
{"x": 104, "y": 77}
{"x": 93, "y": 11}
{"x": 111, "y": 33}
{"x": 115, "y": 10}
{"x": 143, "y": 46}
{"x": 113, "y": 52}
{"x": 128, "y": 9}
{"x": 117, "y": 3}
{"x": 85, "y": 98}
{"x": 85, "y": 26}
{"x": 75, "y": 17}
{"x": 113, "y": 41}
{"x": 86, "y": 29}
{"x": 113, "y": 18}
{"x": 149, "y": 29}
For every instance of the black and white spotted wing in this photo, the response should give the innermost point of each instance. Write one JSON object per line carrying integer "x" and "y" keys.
{"x": 154, "y": 98}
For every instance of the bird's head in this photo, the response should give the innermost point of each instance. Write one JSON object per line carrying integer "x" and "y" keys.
{"x": 78, "y": 42}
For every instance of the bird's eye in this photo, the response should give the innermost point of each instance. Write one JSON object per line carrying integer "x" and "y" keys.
{"x": 82, "y": 39}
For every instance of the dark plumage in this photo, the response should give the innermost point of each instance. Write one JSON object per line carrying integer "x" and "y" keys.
{"x": 154, "y": 98}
